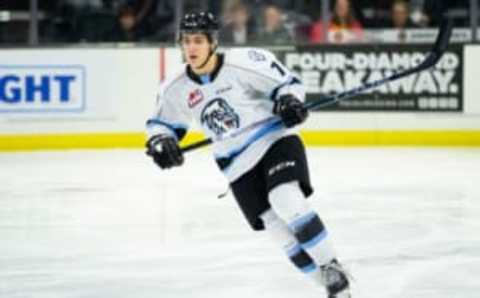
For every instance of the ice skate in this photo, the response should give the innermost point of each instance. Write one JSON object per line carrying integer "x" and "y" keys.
{"x": 335, "y": 280}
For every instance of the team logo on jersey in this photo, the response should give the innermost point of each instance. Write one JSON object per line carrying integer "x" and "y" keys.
{"x": 194, "y": 98}
{"x": 219, "y": 116}
{"x": 256, "y": 56}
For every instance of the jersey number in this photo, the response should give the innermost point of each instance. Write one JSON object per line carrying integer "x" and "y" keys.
{"x": 277, "y": 66}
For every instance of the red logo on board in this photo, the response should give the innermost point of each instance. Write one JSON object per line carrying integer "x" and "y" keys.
{"x": 194, "y": 98}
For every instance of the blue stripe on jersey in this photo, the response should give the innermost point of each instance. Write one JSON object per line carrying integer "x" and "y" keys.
{"x": 290, "y": 81}
{"x": 268, "y": 128}
{"x": 174, "y": 127}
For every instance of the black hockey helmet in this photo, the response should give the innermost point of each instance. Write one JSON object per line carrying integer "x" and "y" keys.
{"x": 200, "y": 22}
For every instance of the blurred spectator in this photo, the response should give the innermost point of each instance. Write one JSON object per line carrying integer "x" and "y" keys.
{"x": 226, "y": 11}
{"x": 162, "y": 21}
{"x": 428, "y": 12}
{"x": 419, "y": 12}
{"x": 273, "y": 30}
{"x": 298, "y": 25}
{"x": 143, "y": 11}
{"x": 400, "y": 15}
{"x": 239, "y": 27}
{"x": 343, "y": 26}
{"x": 423, "y": 13}
{"x": 124, "y": 30}
{"x": 373, "y": 13}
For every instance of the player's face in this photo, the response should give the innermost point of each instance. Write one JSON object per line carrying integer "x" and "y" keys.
{"x": 196, "y": 48}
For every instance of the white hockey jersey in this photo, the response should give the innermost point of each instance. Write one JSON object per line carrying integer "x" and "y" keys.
{"x": 230, "y": 105}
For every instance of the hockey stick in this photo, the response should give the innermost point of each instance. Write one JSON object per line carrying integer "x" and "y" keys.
{"x": 431, "y": 60}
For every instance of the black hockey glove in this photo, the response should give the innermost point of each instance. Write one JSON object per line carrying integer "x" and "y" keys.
{"x": 165, "y": 151}
{"x": 290, "y": 109}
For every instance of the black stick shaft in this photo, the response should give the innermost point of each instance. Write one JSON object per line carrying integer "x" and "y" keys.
{"x": 197, "y": 145}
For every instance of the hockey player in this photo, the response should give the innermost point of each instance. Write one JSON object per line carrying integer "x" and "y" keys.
{"x": 266, "y": 164}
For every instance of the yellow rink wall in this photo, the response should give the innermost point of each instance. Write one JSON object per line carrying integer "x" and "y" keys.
{"x": 448, "y": 138}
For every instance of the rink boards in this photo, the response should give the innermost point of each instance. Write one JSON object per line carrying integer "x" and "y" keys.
{"x": 101, "y": 97}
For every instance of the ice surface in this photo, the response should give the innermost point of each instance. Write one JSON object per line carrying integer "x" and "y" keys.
{"x": 109, "y": 224}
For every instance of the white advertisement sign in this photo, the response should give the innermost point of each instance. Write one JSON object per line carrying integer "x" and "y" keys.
{"x": 42, "y": 88}
{"x": 74, "y": 83}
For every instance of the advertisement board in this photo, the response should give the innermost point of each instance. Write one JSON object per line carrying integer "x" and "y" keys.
{"x": 332, "y": 69}
{"x": 75, "y": 83}
{"x": 42, "y": 88}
